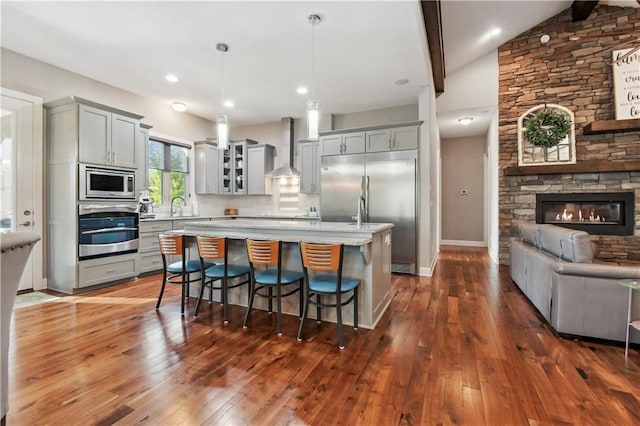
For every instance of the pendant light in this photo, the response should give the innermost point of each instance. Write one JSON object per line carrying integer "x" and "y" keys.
{"x": 222, "y": 124}
{"x": 313, "y": 115}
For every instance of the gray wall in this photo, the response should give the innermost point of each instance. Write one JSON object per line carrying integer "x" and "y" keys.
{"x": 463, "y": 169}
{"x": 397, "y": 114}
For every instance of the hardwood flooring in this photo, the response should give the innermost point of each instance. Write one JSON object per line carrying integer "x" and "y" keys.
{"x": 461, "y": 347}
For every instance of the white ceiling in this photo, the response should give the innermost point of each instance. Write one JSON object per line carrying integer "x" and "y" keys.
{"x": 362, "y": 48}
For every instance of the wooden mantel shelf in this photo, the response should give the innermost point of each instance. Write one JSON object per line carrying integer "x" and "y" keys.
{"x": 581, "y": 167}
{"x": 612, "y": 126}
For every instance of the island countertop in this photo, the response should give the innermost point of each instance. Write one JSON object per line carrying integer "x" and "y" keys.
{"x": 289, "y": 230}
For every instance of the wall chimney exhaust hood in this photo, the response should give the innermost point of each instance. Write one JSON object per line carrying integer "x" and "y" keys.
{"x": 287, "y": 134}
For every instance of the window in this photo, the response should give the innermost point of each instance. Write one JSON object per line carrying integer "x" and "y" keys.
{"x": 551, "y": 147}
{"x": 168, "y": 171}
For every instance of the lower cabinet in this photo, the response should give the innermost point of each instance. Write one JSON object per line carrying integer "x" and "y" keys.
{"x": 97, "y": 271}
{"x": 149, "y": 249}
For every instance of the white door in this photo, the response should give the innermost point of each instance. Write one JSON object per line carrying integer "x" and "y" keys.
{"x": 21, "y": 205}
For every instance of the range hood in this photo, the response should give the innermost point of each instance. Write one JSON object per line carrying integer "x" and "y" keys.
{"x": 286, "y": 126}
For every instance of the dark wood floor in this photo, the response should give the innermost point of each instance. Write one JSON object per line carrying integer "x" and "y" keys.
{"x": 462, "y": 347}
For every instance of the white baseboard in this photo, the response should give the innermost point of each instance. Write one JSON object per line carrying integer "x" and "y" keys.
{"x": 428, "y": 271}
{"x": 464, "y": 243}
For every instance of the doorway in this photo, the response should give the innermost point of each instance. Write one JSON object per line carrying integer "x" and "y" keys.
{"x": 21, "y": 168}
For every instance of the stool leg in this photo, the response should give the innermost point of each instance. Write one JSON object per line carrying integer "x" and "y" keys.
{"x": 304, "y": 316}
{"x": 301, "y": 297}
{"x": 339, "y": 321}
{"x": 279, "y": 308}
{"x": 270, "y": 293}
{"x": 164, "y": 282}
{"x": 182, "y": 297}
{"x": 202, "y": 286}
{"x": 225, "y": 305}
{"x": 355, "y": 308}
{"x": 318, "y": 310}
{"x": 252, "y": 292}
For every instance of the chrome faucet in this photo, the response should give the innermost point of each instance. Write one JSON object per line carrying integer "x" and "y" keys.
{"x": 173, "y": 211}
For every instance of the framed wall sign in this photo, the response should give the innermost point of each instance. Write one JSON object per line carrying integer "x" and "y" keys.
{"x": 626, "y": 84}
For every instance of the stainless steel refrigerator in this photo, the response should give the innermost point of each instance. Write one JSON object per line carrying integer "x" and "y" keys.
{"x": 388, "y": 183}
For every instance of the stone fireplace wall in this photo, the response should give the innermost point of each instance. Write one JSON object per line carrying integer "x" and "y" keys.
{"x": 576, "y": 75}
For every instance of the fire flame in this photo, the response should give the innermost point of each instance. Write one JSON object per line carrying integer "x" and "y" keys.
{"x": 567, "y": 216}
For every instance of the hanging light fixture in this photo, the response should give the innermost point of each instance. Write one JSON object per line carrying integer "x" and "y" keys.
{"x": 313, "y": 115}
{"x": 222, "y": 124}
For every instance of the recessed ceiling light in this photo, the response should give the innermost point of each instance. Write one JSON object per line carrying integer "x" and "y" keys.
{"x": 178, "y": 106}
{"x": 465, "y": 120}
{"x": 229, "y": 104}
{"x": 302, "y": 90}
{"x": 172, "y": 78}
{"x": 495, "y": 31}
{"x": 401, "y": 82}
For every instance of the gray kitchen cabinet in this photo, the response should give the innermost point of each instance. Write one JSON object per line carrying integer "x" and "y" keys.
{"x": 234, "y": 167}
{"x": 331, "y": 145}
{"x": 378, "y": 140}
{"x": 259, "y": 162}
{"x": 149, "y": 247}
{"x": 107, "y": 137}
{"x": 208, "y": 168}
{"x": 309, "y": 167}
{"x": 107, "y": 269}
{"x": 345, "y": 143}
{"x": 142, "y": 177}
{"x": 404, "y": 138}
{"x": 354, "y": 143}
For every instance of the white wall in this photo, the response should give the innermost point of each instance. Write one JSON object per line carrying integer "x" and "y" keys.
{"x": 493, "y": 228}
{"x": 397, "y": 114}
{"x": 49, "y": 82}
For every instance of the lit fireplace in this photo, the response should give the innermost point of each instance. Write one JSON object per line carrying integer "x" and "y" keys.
{"x": 597, "y": 213}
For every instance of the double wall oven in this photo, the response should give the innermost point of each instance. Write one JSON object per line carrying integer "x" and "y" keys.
{"x": 107, "y": 212}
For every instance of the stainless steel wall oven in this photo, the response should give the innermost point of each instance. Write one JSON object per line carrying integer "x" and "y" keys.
{"x": 107, "y": 230}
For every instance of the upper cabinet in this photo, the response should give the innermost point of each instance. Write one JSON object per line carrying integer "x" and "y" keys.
{"x": 309, "y": 167}
{"x": 208, "y": 168}
{"x": 89, "y": 132}
{"x": 260, "y": 162}
{"x": 374, "y": 139}
{"x": 107, "y": 138}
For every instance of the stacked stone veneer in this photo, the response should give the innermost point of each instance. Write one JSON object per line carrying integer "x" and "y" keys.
{"x": 577, "y": 75}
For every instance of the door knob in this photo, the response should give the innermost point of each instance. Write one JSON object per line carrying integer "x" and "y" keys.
{"x": 27, "y": 223}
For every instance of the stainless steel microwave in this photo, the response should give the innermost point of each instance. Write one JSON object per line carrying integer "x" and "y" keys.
{"x": 106, "y": 183}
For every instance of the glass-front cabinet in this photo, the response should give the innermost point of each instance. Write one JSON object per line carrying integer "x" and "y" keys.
{"x": 234, "y": 167}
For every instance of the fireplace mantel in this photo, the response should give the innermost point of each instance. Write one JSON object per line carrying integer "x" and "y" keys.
{"x": 612, "y": 126}
{"x": 580, "y": 167}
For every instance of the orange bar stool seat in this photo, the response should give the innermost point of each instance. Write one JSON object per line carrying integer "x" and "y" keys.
{"x": 317, "y": 261}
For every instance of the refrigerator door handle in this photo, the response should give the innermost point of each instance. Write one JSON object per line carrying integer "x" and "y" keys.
{"x": 365, "y": 182}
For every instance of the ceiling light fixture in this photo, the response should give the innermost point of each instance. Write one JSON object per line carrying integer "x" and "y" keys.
{"x": 465, "y": 120}
{"x": 229, "y": 103}
{"x": 172, "y": 78}
{"x": 495, "y": 31}
{"x": 222, "y": 124}
{"x": 313, "y": 116}
{"x": 302, "y": 90}
{"x": 179, "y": 106}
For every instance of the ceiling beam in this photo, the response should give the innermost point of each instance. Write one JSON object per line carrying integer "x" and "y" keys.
{"x": 580, "y": 10}
{"x": 433, "y": 26}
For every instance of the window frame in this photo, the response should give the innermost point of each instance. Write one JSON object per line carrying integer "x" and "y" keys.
{"x": 167, "y": 143}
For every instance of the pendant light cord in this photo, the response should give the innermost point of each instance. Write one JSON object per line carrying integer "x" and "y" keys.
{"x": 222, "y": 82}
{"x": 313, "y": 60}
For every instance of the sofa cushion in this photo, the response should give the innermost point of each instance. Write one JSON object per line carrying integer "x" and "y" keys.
{"x": 530, "y": 233}
{"x": 567, "y": 244}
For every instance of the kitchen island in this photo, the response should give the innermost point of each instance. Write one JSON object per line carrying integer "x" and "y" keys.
{"x": 367, "y": 256}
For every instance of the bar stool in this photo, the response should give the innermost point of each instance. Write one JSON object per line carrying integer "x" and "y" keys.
{"x": 265, "y": 263}
{"x": 177, "y": 272}
{"x": 327, "y": 257}
{"x": 216, "y": 248}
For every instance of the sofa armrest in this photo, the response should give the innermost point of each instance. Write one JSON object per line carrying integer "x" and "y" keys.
{"x": 597, "y": 270}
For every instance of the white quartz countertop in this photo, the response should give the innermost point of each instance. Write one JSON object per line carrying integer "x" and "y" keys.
{"x": 227, "y": 217}
{"x": 288, "y": 230}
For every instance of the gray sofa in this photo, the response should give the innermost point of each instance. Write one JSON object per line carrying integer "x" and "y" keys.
{"x": 555, "y": 269}
{"x": 15, "y": 248}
